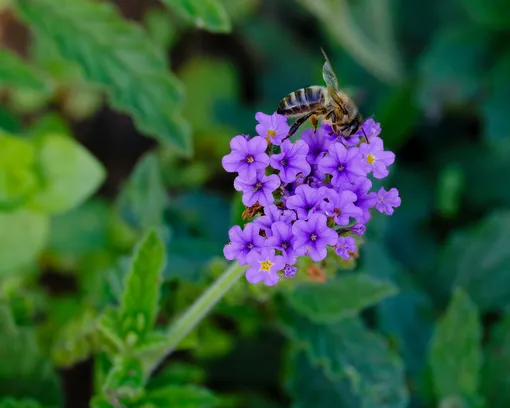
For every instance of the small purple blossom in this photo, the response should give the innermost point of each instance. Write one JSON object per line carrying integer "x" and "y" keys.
{"x": 386, "y": 200}
{"x": 345, "y": 247}
{"x": 305, "y": 201}
{"x": 272, "y": 127}
{"x": 243, "y": 242}
{"x": 283, "y": 240}
{"x": 313, "y": 236}
{"x": 343, "y": 164}
{"x": 264, "y": 266}
{"x": 365, "y": 199}
{"x": 291, "y": 161}
{"x": 358, "y": 229}
{"x": 271, "y": 215}
{"x": 375, "y": 159}
{"x": 247, "y": 156}
{"x": 289, "y": 271}
{"x": 258, "y": 189}
{"x": 317, "y": 143}
{"x": 341, "y": 206}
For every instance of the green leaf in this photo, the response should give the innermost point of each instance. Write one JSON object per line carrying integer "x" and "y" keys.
{"x": 24, "y": 372}
{"x": 109, "y": 328}
{"x": 347, "y": 350}
{"x": 309, "y": 387}
{"x": 87, "y": 224}
{"x": 182, "y": 396}
{"x": 15, "y": 72}
{"x": 477, "y": 260}
{"x": 129, "y": 65}
{"x": 139, "y": 304}
{"x": 75, "y": 341}
{"x": 143, "y": 199}
{"x": 455, "y": 352}
{"x": 19, "y": 403}
{"x": 495, "y": 375}
{"x": 177, "y": 373}
{"x": 208, "y": 14}
{"x": 496, "y": 127}
{"x": 23, "y": 234}
{"x": 125, "y": 379}
{"x": 344, "y": 297}
{"x": 69, "y": 172}
{"x": 17, "y": 176}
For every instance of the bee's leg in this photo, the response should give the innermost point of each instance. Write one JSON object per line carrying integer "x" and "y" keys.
{"x": 297, "y": 124}
{"x": 315, "y": 122}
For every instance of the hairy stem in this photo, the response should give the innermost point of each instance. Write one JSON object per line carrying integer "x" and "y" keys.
{"x": 191, "y": 317}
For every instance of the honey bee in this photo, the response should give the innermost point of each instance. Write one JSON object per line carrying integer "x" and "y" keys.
{"x": 329, "y": 102}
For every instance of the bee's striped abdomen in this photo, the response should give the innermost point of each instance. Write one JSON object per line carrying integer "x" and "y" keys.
{"x": 302, "y": 101}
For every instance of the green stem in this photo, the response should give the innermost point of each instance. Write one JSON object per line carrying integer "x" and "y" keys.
{"x": 191, "y": 317}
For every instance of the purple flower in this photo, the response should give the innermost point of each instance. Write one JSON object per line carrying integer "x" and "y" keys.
{"x": 313, "y": 236}
{"x": 317, "y": 143}
{"x": 365, "y": 200}
{"x": 345, "y": 247}
{"x": 272, "y": 127}
{"x": 264, "y": 266}
{"x": 343, "y": 164}
{"x": 291, "y": 161}
{"x": 333, "y": 137}
{"x": 283, "y": 240}
{"x": 386, "y": 200}
{"x": 247, "y": 156}
{"x": 305, "y": 201}
{"x": 358, "y": 229}
{"x": 258, "y": 189}
{"x": 271, "y": 215}
{"x": 289, "y": 271}
{"x": 243, "y": 242}
{"x": 370, "y": 129}
{"x": 375, "y": 158}
{"x": 341, "y": 206}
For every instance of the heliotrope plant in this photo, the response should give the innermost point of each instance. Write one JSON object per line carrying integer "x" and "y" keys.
{"x": 305, "y": 198}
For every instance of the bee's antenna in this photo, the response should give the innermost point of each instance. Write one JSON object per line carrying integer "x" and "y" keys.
{"x": 364, "y": 134}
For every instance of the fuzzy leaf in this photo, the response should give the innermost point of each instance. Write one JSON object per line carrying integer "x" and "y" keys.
{"x": 347, "y": 350}
{"x": 129, "y": 65}
{"x": 309, "y": 387}
{"x": 208, "y": 14}
{"x": 23, "y": 234}
{"x": 24, "y": 372}
{"x": 18, "y": 179}
{"x": 455, "y": 354}
{"x": 143, "y": 199}
{"x": 139, "y": 304}
{"x": 344, "y": 297}
{"x": 494, "y": 110}
{"x": 182, "y": 396}
{"x": 125, "y": 379}
{"x": 495, "y": 374}
{"x": 70, "y": 174}
{"x": 477, "y": 260}
{"x": 15, "y": 72}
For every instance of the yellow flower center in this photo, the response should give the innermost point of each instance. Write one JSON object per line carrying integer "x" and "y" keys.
{"x": 370, "y": 159}
{"x": 271, "y": 133}
{"x": 266, "y": 265}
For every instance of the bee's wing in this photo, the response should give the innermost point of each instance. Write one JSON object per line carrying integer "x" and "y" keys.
{"x": 328, "y": 74}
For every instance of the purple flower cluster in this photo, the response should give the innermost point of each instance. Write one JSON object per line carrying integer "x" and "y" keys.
{"x": 312, "y": 194}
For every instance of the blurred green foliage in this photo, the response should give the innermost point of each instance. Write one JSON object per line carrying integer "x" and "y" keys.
{"x": 106, "y": 238}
